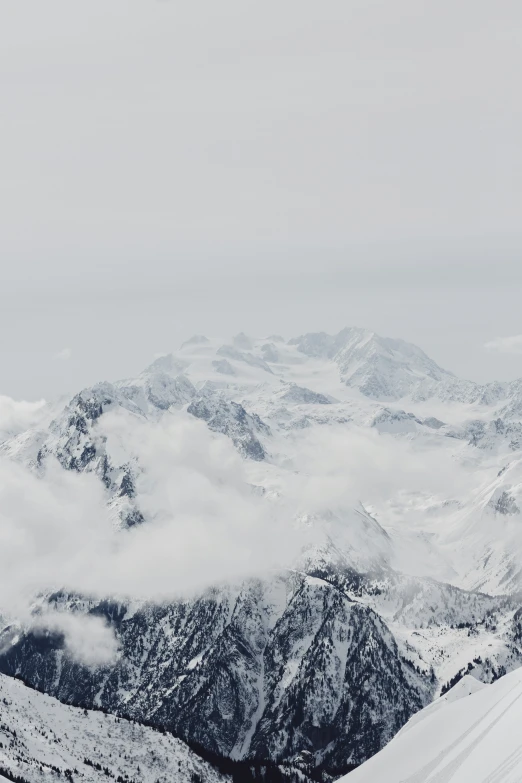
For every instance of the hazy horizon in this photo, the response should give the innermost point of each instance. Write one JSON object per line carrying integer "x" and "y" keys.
{"x": 170, "y": 169}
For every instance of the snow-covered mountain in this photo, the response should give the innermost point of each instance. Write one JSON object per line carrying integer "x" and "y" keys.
{"x": 276, "y": 399}
{"x": 333, "y": 664}
{"x": 379, "y": 367}
{"x": 403, "y": 486}
{"x": 469, "y": 735}
{"x": 236, "y": 670}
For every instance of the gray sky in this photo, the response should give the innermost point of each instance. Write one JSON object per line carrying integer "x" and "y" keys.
{"x": 171, "y": 167}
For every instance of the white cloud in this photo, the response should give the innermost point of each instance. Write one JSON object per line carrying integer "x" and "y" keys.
{"x": 505, "y": 344}
{"x": 205, "y": 524}
{"x": 87, "y": 638}
{"x": 64, "y": 355}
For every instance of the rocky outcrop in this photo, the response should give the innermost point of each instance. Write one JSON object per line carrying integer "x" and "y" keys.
{"x": 231, "y": 419}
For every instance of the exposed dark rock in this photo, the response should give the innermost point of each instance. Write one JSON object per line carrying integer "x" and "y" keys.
{"x": 269, "y": 670}
{"x": 505, "y": 504}
{"x": 232, "y": 420}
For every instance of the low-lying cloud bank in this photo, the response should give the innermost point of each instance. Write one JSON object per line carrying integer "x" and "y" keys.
{"x": 206, "y": 524}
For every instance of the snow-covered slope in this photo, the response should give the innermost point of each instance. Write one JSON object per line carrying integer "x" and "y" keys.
{"x": 43, "y": 740}
{"x": 470, "y": 735}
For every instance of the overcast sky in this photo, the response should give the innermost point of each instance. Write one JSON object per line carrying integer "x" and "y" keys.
{"x": 177, "y": 167}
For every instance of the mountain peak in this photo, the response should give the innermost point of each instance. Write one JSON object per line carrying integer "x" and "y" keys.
{"x": 196, "y": 339}
{"x": 380, "y": 367}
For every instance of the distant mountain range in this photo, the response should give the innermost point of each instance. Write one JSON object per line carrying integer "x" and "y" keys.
{"x": 410, "y": 480}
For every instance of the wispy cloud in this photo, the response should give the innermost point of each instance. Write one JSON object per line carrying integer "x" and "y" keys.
{"x": 64, "y": 355}
{"x": 511, "y": 344}
{"x": 88, "y": 639}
